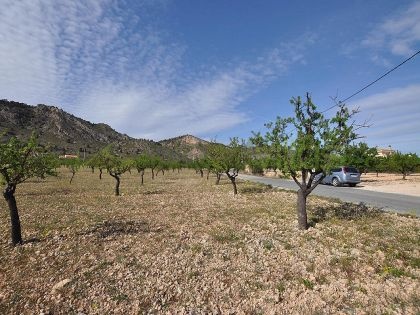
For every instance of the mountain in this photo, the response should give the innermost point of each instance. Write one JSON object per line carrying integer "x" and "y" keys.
{"x": 187, "y": 145}
{"x": 64, "y": 133}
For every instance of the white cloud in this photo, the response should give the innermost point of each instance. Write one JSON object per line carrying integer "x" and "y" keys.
{"x": 399, "y": 33}
{"x": 395, "y": 118}
{"x": 106, "y": 63}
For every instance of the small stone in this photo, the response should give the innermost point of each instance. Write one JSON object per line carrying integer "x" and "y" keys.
{"x": 59, "y": 285}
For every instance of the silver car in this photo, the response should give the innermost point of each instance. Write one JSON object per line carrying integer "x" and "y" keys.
{"x": 342, "y": 175}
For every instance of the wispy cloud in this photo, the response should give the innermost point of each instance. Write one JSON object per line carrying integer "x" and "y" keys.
{"x": 399, "y": 34}
{"x": 107, "y": 63}
{"x": 395, "y": 118}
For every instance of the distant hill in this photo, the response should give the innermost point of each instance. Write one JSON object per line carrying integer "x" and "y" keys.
{"x": 187, "y": 145}
{"x": 67, "y": 134}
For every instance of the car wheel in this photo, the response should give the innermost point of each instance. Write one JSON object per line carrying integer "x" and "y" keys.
{"x": 335, "y": 182}
{"x": 352, "y": 185}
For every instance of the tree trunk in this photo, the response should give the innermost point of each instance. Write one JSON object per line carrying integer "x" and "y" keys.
{"x": 163, "y": 172}
{"x": 235, "y": 190}
{"x": 233, "y": 181}
{"x": 93, "y": 169}
{"x": 404, "y": 174}
{"x": 201, "y": 173}
{"x": 218, "y": 175}
{"x": 301, "y": 210}
{"x": 72, "y": 176}
{"x": 142, "y": 176}
{"x": 208, "y": 174}
{"x": 153, "y": 174}
{"x": 9, "y": 195}
{"x": 100, "y": 173}
{"x": 117, "y": 184}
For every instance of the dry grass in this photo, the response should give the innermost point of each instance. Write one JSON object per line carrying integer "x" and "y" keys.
{"x": 181, "y": 244}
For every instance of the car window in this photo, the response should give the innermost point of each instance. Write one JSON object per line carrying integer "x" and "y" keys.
{"x": 350, "y": 170}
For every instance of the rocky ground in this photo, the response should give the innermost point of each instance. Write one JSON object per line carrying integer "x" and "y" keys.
{"x": 180, "y": 244}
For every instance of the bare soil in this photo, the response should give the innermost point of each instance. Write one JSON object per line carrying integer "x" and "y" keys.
{"x": 180, "y": 244}
{"x": 392, "y": 183}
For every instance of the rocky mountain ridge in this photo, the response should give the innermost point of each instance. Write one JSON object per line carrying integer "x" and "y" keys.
{"x": 65, "y": 133}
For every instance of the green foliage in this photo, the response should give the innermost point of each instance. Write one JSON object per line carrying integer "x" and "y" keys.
{"x": 154, "y": 161}
{"x": 403, "y": 163}
{"x": 257, "y": 165}
{"x": 72, "y": 164}
{"x": 314, "y": 143}
{"x": 215, "y": 155}
{"x": 388, "y": 271}
{"x": 163, "y": 165}
{"x": 222, "y": 159}
{"x": 380, "y": 164}
{"x": 200, "y": 164}
{"x": 306, "y": 145}
{"x": 307, "y": 283}
{"x": 360, "y": 156}
{"x": 21, "y": 160}
{"x": 141, "y": 162}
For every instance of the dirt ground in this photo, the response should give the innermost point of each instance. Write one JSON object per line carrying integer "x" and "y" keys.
{"x": 182, "y": 245}
{"x": 391, "y": 183}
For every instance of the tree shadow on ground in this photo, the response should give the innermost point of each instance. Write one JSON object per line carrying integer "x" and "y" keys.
{"x": 344, "y": 211}
{"x": 255, "y": 189}
{"x": 118, "y": 228}
{"x": 153, "y": 192}
{"x": 32, "y": 240}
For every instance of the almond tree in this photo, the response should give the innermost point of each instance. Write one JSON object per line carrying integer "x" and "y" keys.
{"x": 228, "y": 159}
{"x": 162, "y": 167}
{"x": 20, "y": 161}
{"x": 403, "y": 163}
{"x": 305, "y": 145}
{"x": 199, "y": 165}
{"x": 73, "y": 165}
{"x": 153, "y": 164}
{"x": 141, "y": 163}
{"x": 214, "y": 158}
{"x": 115, "y": 166}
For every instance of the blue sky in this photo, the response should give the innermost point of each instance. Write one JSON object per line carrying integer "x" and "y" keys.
{"x": 215, "y": 69}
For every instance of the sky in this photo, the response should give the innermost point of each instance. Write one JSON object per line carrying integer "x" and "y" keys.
{"x": 216, "y": 69}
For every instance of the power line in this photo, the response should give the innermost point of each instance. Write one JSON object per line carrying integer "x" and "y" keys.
{"x": 373, "y": 82}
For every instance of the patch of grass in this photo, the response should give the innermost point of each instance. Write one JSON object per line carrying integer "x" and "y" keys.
{"x": 345, "y": 263}
{"x": 281, "y": 287}
{"x": 415, "y": 262}
{"x": 267, "y": 244}
{"x": 287, "y": 245}
{"x": 119, "y": 297}
{"x": 388, "y": 271}
{"x": 307, "y": 283}
{"x": 226, "y": 236}
{"x": 196, "y": 248}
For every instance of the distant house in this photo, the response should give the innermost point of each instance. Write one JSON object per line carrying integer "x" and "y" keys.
{"x": 384, "y": 152}
{"x": 68, "y": 156}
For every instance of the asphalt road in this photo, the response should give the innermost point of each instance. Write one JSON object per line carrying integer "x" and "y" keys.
{"x": 385, "y": 201}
